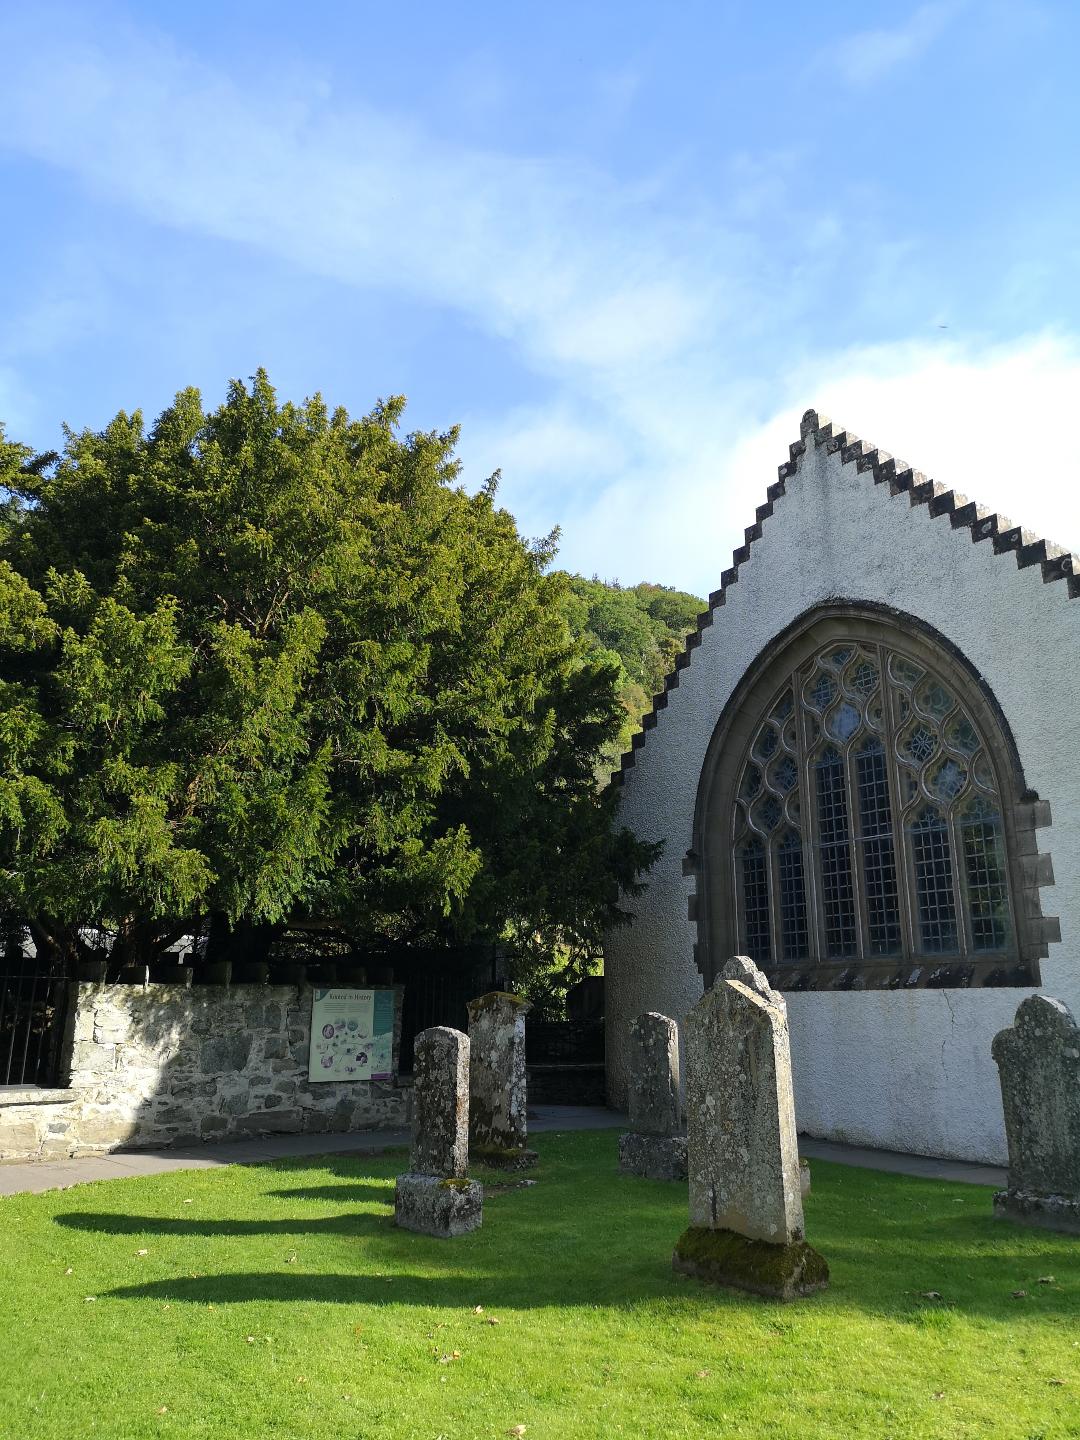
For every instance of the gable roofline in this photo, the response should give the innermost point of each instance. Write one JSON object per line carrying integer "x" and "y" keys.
{"x": 1054, "y": 561}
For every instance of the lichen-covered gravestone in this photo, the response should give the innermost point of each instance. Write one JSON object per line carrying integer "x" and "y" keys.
{"x": 436, "y": 1197}
{"x": 1038, "y": 1060}
{"x": 746, "y": 1214}
{"x": 498, "y": 1128}
{"x": 653, "y": 1147}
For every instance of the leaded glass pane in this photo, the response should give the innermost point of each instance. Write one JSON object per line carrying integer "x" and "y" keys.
{"x": 933, "y": 883}
{"x": 864, "y": 677}
{"x": 834, "y": 849}
{"x": 878, "y": 856}
{"x": 794, "y": 932}
{"x": 984, "y": 869}
{"x": 755, "y": 888}
{"x": 843, "y": 722}
{"x": 948, "y": 779}
{"x": 822, "y": 691}
{"x": 766, "y": 743}
{"x": 767, "y": 813}
{"x": 785, "y": 773}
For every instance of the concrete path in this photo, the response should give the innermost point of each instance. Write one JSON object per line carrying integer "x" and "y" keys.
{"x": 124, "y": 1164}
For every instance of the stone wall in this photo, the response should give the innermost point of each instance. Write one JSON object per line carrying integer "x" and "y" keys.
{"x": 166, "y": 1065}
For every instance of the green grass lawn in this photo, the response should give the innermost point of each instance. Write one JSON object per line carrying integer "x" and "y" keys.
{"x": 280, "y": 1300}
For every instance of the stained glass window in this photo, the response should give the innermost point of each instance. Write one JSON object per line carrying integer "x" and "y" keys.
{"x": 869, "y": 821}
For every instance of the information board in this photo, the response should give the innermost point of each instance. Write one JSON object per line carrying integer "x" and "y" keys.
{"x": 352, "y": 1034}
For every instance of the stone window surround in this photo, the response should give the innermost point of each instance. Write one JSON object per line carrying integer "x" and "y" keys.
{"x": 710, "y": 861}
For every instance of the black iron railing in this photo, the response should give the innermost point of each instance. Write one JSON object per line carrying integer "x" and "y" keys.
{"x": 564, "y": 1042}
{"x": 33, "y": 1010}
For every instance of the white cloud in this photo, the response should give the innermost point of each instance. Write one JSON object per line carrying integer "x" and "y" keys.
{"x": 866, "y": 57}
{"x": 996, "y": 424}
{"x": 661, "y": 334}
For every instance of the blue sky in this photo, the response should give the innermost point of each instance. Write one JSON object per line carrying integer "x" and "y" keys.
{"x": 624, "y": 245}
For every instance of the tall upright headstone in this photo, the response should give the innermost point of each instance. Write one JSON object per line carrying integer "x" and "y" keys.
{"x": 1038, "y": 1060}
{"x": 746, "y": 1213}
{"x": 653, "y": 1146}
{"x": 435, "y": 1197}
{"x": 498, "y": 1125}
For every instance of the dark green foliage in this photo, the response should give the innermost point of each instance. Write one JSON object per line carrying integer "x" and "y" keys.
{"x": 270, "y": 665}
{"x": 642, "y": 629}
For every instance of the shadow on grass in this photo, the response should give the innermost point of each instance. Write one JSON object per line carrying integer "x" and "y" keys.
{"x": 913, "y": 1250}
{"x": 345, "y": 1193}
{"x": 350, "y": 1224}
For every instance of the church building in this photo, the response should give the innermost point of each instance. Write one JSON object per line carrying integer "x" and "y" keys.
{"x": 865, "y": 771}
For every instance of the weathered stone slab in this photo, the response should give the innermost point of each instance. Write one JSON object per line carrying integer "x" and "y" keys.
{"x": 1038, "y": 1060}
{"x": 498, "y": 1127}
{"x": 654, "y": 1157}
{"x": 746, "y": 1214}
{"x": 653, "y": 1148}
{"x": 654, "y": 1075}
{"x": 435, "y": 1197}
{"x": 440, "y": 1207}
{"x": 440, "y": 1143}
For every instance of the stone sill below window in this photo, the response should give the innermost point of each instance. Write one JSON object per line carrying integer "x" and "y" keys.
{"x": 945, "y": 973}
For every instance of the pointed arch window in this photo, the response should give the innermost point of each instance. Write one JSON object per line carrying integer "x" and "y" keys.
{"x": 868, "y": 821}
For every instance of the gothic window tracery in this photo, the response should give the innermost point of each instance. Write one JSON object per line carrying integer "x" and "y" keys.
{"x": 868, "y": 819}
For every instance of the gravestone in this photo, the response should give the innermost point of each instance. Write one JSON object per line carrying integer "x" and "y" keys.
{"x": 1038, "y": 1060}
{"x": 746, "y": 1213}
{"x": 653, "y": 1146}
{"x": 436, "y": 1197}
{"x": 498, "y": 1126}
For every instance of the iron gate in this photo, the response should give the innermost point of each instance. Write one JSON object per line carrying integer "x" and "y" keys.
{"x": 33, "y": 1012}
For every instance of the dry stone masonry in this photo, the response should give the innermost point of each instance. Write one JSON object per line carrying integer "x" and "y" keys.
{"x": 653, "y": 1147}
{"x": 436, "y": 1197}
{"x": 498, "y": 1128}
{"x": 746, "y": 1214}
{"x": 1038, "y": 1060}
{"x": 171, "y": 1065}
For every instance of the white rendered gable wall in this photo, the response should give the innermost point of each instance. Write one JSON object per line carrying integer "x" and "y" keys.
{"x": 909, "y": 1070}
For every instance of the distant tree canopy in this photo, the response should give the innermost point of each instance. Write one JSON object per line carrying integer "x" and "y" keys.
{"x": 269, "y": 664}
{"x": 639, "y": 628}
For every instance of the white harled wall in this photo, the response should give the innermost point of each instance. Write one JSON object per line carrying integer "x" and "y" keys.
{"x": 907, "y": 1071}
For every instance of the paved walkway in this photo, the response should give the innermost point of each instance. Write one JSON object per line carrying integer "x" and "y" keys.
{"x": 123, "y": 1164}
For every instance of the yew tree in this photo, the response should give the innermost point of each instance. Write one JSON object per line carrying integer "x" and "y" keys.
{"x": 270, "y": 664}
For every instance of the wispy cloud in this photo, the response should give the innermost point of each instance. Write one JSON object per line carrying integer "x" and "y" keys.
{"x": 866, "y": 57}
{"x": 675, "y": 349}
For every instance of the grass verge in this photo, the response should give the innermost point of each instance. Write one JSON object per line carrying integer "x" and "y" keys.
{"x": 279, "y": 1300}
